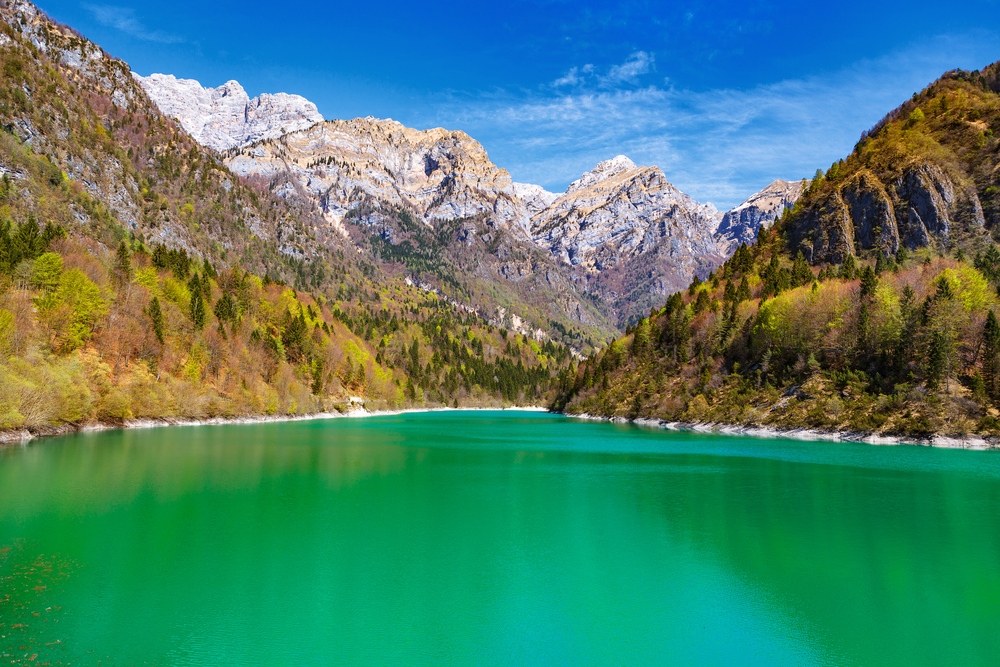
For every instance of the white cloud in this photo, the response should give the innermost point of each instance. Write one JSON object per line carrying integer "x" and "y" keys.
{"x": 638, "y": 63}
{"x": 719, "y": 145}
{"x": 124, "y": 19}
{"x": 570, "y": 78}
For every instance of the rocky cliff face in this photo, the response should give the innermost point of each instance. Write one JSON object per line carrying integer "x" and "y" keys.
{"x": 926, "y": 175}
{"x": 226, "y": 117}
{"x": 429, "y": 200}
{"x": 917, "y": 206}
{"x": 632, "y": 237}
{"x": 435, "y": 175}
{"x": 740, "y": 225}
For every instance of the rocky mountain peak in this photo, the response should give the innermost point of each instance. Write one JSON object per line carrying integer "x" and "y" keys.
{"x": 535, "y": 197}
{"x": 630, "y": 235}
{"x": 603, "y": 171}
{"x": 436, "y": 175}
{"x": 225, "y": 117}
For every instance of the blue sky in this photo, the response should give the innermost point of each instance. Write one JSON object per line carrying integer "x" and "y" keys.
{"x": 723, "y": 96}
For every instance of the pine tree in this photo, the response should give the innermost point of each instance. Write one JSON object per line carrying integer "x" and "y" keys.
{"x": 869, "y": 282}
{"x": 123, "y": 264}
{"x": 730, "y": 292}
{"x": 881, "y": 264}
{"x": 801, "y": 273}
{"x": 156, "y": 317}
{"x": 743, "y": 293}
{"x": 936, "y": 358}
{"x": 197, "y": 311}
{"x": 701, "y": 303}
{"x": 991, "y": 357}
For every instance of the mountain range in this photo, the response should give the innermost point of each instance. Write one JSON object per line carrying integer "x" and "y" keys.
{"x": 169, "y": 249}
{"x": 620, "y": 233}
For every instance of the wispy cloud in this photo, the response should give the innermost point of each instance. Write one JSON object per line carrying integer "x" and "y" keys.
{"x": 638, "y": 63}
{"x": 718, "y": 145}
{"x": 124, "y": 19}
{"x": 575, "y": 76}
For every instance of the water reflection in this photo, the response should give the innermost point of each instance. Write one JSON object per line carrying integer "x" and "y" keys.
{"x": 498, "y": 538}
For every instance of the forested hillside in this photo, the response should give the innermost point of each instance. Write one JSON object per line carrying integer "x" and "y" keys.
{"x": 140, "y": 278}
{"x": 907, "y": 345}
{"x": 894, "y": 327}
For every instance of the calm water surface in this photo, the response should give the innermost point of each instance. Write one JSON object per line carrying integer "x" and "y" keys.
{"x": 491, "y": 538}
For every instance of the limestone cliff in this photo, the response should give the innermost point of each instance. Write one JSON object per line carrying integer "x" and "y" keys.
{"x": 918, "y": 206}
{"x": 435, "y": 175}
{"x": 632, "y": 237}
{"x": 226, "y": 117}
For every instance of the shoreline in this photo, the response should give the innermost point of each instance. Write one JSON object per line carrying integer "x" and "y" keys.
{"x": 944, "y": 441}
{"x": 22, "y": 436}
{"x": 14, "y": 437}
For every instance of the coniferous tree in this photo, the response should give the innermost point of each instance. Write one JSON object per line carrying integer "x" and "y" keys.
{"x": 156, "y": 317}
{"x": 991, "y": 357}
{"x": 936, "y": 360}
{"x": 869, "y": 282}
{"x": 198, "y": 311}
{"x": 801, "y": 273}
{"x": 730, "y": 292}
{"x": 743, "y": 293}
{"x": 848, "y": 270}
{"x": 123, "y": 264}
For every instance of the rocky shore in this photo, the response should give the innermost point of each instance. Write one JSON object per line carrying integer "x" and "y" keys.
{"x": 951, "y": 441}
{"x": 10, "y": 437}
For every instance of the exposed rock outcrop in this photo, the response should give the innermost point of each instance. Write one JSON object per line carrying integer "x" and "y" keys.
{"x": 435, "y": 175}
{"x": 536, "y": 199}
{"x": 632, "y": 236}
{"x": 871, "y": 213}
{"x": 919, "y": 206}
{"x": 226, "y": 117}
{"x": 740, "y": 225}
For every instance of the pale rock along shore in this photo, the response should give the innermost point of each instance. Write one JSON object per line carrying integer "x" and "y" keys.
{"x": 953, "y": 441}
{"x": 10, "y": 437}
{"x": 24, "y": 435}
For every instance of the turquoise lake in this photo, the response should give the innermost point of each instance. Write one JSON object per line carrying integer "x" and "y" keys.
{"x": 493, "y": 538}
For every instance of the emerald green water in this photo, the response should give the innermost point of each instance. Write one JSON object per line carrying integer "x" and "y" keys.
{"x": 489, "y": 538}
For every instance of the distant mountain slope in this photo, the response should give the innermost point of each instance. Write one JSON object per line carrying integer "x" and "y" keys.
{"x": 226, "y": 117}
{"x": 432, "y": 204}
{"x": 740, "y": 225}
{"x": 925, "y": 176}
{"x": 620, "y": 233}
{"x": 64, "y": 98}
{"x": 632, "y": 237}
{"x": 435, "y": 174}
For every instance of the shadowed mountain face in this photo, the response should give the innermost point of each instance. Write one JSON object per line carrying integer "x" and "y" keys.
{"x": 740, "y": 225}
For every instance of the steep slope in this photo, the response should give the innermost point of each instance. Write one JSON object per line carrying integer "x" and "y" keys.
{"x": 433, "y": 204}
{"x": 630, "y": 235}
{"x": 140, "y": 277}
{"x": 889, "y": 342}
{"x": 64, "y": 98}
{"x": 925, "y": 176}
{"x": 225, "y": 117}
{"x": 739, "y": 226}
